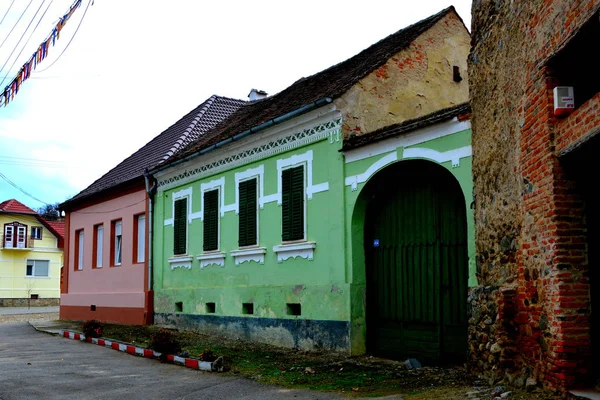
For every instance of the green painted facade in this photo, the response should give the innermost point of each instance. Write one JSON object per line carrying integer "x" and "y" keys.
{"x": 329, "y": 284}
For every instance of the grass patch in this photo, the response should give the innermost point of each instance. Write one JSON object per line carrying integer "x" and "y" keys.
{"x": 362, "y": 376}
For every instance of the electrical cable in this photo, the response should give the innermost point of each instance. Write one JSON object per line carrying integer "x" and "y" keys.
{"x": 6, "y": 38}
{"x": 72, "y": 37}
{"x": 21, "y": 190}
{"x": 28, "y": 39}
{"x": 6, "y": 13}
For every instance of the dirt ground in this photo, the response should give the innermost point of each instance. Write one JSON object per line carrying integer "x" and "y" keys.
{"x": 7, "y": 319}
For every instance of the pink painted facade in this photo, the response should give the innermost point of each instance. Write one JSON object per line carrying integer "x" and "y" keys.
{"x": 113, "y": 291}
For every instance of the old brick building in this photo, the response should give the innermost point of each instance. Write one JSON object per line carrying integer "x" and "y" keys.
{"x": 531, "y": 317}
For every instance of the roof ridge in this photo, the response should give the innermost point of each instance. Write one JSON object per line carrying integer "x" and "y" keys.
{"x": 177, "y": 145}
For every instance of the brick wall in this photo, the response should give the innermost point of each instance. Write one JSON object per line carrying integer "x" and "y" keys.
{"x": 530, "y": 217}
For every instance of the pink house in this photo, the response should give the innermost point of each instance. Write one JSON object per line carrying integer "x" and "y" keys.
{"x": 106, "y": 273}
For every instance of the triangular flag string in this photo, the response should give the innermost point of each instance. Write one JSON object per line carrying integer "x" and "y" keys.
{"x": 8, "y": 94}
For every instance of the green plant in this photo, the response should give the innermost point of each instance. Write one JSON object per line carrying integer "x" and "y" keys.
{"x": 207, "y": 355}
{"x": 165, "y": 342}
{"x": 92, "y": 328}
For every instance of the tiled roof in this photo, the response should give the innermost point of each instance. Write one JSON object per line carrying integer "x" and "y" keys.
{"x": 188, "y": 129}
{"x": 407, "y": 126}
{"x": 330, "y": 83}
{"x": 57, "y": 226}
{"x": 15, "y": 206}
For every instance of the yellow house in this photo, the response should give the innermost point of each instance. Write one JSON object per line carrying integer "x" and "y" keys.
{"x": 31, "y": 256}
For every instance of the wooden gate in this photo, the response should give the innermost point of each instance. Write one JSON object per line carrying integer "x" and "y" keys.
{"x": 416, "y": 256}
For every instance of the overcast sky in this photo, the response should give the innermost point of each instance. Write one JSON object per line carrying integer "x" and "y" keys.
{"x": 135, "y": 67}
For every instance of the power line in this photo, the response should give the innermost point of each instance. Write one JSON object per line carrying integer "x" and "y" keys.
{"x": 13, "y": 28}
{"x": 21, "y": 190}
{"x": 72, "y": 37}
{"x": 6, "y": 13}
{"x": 19, "y": 42}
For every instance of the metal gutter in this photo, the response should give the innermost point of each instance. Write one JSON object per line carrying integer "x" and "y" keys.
{"x": 261, "y": 127}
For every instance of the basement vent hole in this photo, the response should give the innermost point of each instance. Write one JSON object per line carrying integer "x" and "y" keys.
{"x": 248, "y": 308}
{"x": 35, "y": 296}
{"x": 93, "y": 307}
{"x": 179, "y": 306}
{"x": 294, "y": 309}
{"x": 210, "y": 308}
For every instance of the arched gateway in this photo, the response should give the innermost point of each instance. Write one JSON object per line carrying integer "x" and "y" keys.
{"x": 415, "y": 240}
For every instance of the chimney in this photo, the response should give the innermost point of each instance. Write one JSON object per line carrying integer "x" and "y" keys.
{"x": 256, "y": 94}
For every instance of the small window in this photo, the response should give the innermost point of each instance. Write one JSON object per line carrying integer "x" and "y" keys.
{"x": 139, "y": 235}
{"x": 98, "y": 248}
{"x": 37, "y": 267}
{"x": 211, "y": 220}
{"x": 575, "y": 64}
{"x": 36, "y": 232}
{"x": 117, "y": 233}
{"x": 180, "y": 227}
{"x": 79, "y": 241}
{"x": 248, "y": 234}
{"x": 292, "y": 204}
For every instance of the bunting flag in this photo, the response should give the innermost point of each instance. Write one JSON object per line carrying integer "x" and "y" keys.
{"x": 9, "y": 92}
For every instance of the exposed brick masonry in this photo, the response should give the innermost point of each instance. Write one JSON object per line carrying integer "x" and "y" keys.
{"x": 531, "y": 235}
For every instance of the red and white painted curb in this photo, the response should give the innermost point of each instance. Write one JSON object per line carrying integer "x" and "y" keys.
{"x": 214, "y": 366}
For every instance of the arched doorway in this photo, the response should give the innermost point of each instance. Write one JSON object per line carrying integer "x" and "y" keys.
{"x": 415, "y": 241}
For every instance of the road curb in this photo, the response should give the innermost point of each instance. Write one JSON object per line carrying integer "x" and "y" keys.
{"x": 194, "y": 363}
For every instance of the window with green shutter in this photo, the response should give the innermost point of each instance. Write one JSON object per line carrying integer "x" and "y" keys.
{"x": 247, "y": 213}
{"x": 180, "y": 227}
{"x": 292, "y": 204}
{"x": 211, "y": 220}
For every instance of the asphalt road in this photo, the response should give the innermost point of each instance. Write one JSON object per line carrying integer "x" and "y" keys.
{"x": 35, "y": 365}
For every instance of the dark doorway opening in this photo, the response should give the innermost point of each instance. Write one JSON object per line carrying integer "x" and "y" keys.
{"x": 416, "y": 264}
{"x": 580, "y": 164}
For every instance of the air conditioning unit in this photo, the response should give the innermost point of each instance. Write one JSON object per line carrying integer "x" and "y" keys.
{"x": 564, "y": 101}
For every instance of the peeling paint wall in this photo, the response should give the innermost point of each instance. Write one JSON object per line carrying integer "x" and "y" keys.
{"x": 415, "y": 82}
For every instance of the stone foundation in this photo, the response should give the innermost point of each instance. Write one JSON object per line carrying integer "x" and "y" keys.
{"x": 29, "y": 302}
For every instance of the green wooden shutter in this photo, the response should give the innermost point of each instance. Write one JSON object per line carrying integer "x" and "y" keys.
{"x": 292, "y": 202}
{"x": 180, "y": 227}
{"x": 247, "y": 213}
{"x": 211, "y": 220}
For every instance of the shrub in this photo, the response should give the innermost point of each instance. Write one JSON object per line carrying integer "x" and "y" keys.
{"x": 92, "y": 328}
{"x": 165, "y": 342}
{"x": 207, "y": 355}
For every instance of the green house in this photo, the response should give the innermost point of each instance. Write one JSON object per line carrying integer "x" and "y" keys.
{"x": 334, "y": 214}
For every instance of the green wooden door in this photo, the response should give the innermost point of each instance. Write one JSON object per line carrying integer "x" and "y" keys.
{"x": 416, "y": 254}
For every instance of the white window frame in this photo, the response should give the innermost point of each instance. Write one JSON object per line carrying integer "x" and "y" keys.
{"x": 9, "y": 233}
{"x": 36, "y": 229}
{"x": 118, "y": 243}
{"x": 21, "y": 237}
{"x": 99, "y": 244}
{"x": 80, "y": 246}
{"x": 33, "y": 269}
{"x": 140, "y": 221}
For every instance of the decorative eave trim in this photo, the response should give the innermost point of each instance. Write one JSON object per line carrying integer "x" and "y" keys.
{"x": 256, "y": 254}
{"x": 293, "y": 250}
{"x": 330, "y": 128}
{"x": 180, "y": 262}
{"x": 213, "y": 258}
